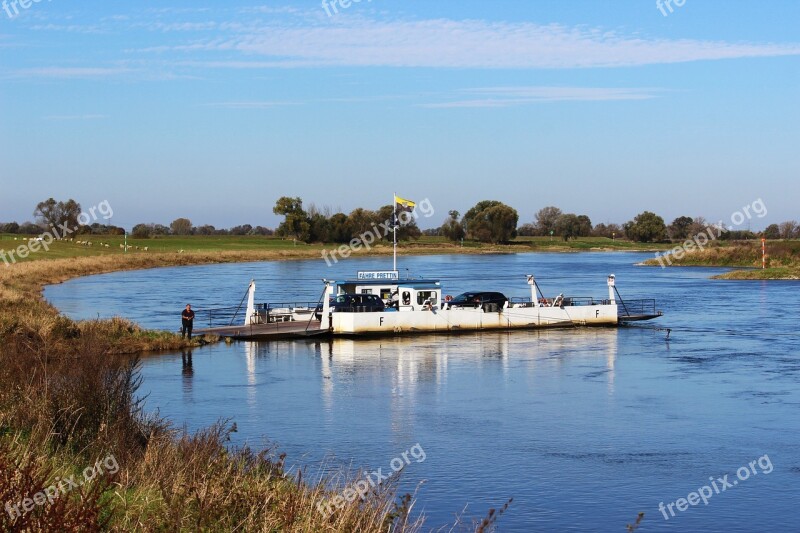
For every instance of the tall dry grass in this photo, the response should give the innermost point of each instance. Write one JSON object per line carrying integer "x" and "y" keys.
{"x": 739, "y": 254}
{"x": 24, "y": 471}
{"x": 195, "y": 483}
{"x": 66, "y": 403}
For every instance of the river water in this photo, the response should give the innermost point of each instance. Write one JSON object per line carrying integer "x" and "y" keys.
{"x": 583, "y": 428}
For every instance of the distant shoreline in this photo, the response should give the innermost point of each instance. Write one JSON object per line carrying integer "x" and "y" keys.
{"x": 743, "y": 259}
{"x": 108, "y": 245}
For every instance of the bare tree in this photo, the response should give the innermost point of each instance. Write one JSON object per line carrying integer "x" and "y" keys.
{"x": 788, "y": 229}
{"x": 63, "y": 215}
{"x": 546, "y": 219}
{"x": 313, "y": 210}
{"x": 181, "y": 226}
{"x": 610, "y": 231}
{"x": 697, "y": 226}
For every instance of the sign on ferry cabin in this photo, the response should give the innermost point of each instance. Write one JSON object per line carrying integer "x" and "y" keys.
{"x": 391, "y": 275}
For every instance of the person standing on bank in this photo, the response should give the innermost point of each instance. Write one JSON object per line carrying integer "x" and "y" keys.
{"x": 187, "y": 320}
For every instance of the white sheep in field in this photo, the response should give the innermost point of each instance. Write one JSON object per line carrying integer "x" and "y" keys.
{"x": 146, "y": 248}
{"x": 106, "y": 245}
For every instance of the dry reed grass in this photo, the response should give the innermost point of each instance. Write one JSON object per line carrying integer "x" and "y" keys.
{"x": 783, "y": 259}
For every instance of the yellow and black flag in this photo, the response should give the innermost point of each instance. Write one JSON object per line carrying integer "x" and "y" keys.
{"x": 401, "y": 205}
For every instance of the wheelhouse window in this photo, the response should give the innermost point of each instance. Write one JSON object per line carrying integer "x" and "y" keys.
{"x": 422, "y": 296}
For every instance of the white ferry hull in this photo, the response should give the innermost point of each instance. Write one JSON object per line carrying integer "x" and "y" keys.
{"x": 461, "y": 319}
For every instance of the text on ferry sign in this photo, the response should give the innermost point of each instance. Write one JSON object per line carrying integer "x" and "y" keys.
{"x": 380, "y": 274}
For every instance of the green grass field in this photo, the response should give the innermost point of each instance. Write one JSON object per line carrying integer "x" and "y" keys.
{"x": 203, "y": 243}
{"x": 168, "y": 244}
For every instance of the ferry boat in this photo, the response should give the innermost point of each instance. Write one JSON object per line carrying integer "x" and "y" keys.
{"x": 380, "y": 303}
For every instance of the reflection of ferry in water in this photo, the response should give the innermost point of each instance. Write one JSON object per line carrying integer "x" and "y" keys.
{"x": 380, "y": 303}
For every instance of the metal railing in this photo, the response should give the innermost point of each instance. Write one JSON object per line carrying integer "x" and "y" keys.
{"x": 358, "y": 309}
{"x": 217, "y": 317}
{"x": 286, "y": 305}
{"x": 642, "y": 307}
{"x": 567, "y": 301}
{"x": 268, "y": 313}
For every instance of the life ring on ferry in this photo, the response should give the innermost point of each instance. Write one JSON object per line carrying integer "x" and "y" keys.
{"x": 448, "y": 298}
{"x": 543, "y": 301}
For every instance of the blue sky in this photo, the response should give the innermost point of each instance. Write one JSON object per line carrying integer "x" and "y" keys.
{"x": 214, "y": 110}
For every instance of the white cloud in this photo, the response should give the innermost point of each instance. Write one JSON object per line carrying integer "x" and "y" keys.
{"x": 493, "y": 97}
{"x": 469, "y": 44}
{"x": 70, "y": 28}
{"x": 309, "y": 41}
{"x": 70, "y": 72}
{"x": 75, "y": 117}
{"x": 177, "y": 10}
{"x": 166, "y": 27}
{"x": 251, "y": 105}
{"x": 270, "y": 10}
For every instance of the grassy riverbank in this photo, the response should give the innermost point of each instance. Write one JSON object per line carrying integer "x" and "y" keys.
{"x": 68, "y": 403}
{"x": 783, "y": 260}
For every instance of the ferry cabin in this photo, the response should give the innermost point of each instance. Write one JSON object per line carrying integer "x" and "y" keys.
{"x": 412, "y": 294}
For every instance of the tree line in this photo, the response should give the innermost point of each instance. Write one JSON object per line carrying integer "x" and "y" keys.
{"x": 323, "y": 225}
{"x": 184, "y": 226}
{"x": 489, "y": 221}
{"x": 60, "y": 215}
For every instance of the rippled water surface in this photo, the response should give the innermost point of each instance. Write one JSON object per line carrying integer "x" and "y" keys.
{"x": 583, "y": 428}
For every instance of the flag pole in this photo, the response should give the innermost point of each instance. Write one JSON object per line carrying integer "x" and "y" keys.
{"x": 394, "y": 232}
